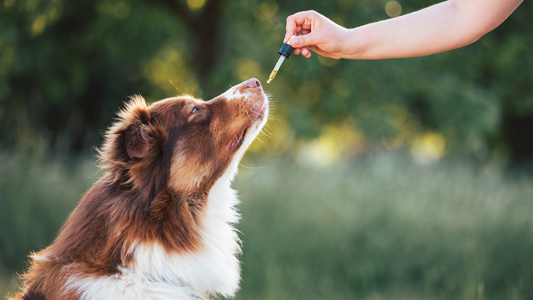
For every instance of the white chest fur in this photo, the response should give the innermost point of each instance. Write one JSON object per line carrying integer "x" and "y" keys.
{"x": 215, "y": 268}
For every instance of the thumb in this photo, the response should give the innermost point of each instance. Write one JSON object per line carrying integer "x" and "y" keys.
{"x": 306, "y": 40}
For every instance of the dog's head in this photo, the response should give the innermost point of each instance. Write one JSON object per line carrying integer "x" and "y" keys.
{"x": 184, "y": 143}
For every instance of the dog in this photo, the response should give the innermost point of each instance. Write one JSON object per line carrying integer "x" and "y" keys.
{"x": 159, "y": 224}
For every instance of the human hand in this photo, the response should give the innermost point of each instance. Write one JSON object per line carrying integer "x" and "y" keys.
{"x": 316, "y": 32}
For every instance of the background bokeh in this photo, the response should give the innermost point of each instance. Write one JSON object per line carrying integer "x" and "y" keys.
{"x": 393, "y": 179}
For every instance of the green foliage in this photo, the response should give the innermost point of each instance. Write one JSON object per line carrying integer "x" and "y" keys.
{"x": 377, "y": 228}
{"x": 66, "y": 66}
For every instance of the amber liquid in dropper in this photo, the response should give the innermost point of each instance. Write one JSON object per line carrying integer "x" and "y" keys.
{"x": 272, "y": 75}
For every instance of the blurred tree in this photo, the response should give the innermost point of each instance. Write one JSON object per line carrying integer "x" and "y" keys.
{"x": 204, "y": 26}
{"x": 65, "y": 68}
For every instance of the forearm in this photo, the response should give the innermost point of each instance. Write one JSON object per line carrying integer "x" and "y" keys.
{"x": 445, "y": 26}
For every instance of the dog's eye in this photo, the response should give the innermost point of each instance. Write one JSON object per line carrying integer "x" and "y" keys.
{"x": 194, "y": 110}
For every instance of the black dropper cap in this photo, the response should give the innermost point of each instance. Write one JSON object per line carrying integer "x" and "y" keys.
{"x": 286, "y": 50}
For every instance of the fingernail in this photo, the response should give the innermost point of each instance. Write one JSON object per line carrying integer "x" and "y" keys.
{"x": 295, "y": 42}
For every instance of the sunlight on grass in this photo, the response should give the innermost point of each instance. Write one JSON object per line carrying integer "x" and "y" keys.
{"x": 334, "y": 144}
{"x": 385, "y": 228}
{"x": 429, "y": 147}
{"x": 382, "y": 227}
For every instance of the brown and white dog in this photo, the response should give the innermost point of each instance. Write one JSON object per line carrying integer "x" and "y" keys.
{"x": 159, "y": 223}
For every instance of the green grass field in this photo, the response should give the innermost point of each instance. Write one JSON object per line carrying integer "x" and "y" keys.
{"x": 376, "y": 228}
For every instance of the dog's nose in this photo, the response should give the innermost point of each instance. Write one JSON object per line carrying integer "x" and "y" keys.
{"x": 252, "y": 83}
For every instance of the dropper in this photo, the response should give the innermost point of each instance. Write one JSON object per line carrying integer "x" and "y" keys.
{"x": 285, "y": 51}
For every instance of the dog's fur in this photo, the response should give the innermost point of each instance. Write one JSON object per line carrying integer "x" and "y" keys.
{"x": 159, "y": 223}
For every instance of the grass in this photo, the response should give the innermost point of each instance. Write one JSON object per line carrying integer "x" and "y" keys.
{"x": 378, "y": 228}
{"x": 36, "y": 196}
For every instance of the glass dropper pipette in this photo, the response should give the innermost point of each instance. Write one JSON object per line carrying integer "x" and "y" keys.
{"x": 285, "y": 51}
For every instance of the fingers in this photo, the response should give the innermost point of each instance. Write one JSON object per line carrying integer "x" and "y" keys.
{"x": 301, "y": 21}
{"x": 305, "y": 40}
{"x": 303, "y": 51}
{"x": 300, "y": 25}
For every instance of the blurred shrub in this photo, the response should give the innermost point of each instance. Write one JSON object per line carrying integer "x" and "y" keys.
{"x": 385, "y": 228}
{"x": 377, "y": 228}
{"x": 36, "y": 196}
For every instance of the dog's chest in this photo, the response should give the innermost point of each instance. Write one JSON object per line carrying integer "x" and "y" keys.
{"x": 211, "y": 270}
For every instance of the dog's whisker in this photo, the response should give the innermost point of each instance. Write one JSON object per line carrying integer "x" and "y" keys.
{"x": 248, "y": 115}
{"x": 192, "y": 90}
{"x": 266, "y": 135}
{"x": 264, "y": 128}
{"x": 177, "y": 89}
{"x": 257, "y": 112}
{"x": 253, "y": 168}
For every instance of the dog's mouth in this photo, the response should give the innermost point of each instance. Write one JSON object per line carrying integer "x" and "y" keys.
{"x": 236, "y": 142}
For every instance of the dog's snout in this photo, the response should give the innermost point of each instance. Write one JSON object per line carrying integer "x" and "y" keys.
{"x": 252, "y": 83}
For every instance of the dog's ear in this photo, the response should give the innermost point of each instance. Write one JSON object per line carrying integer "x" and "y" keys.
{"x": 129, "y": 138}
{"x": 135, "y": 119}
{"x": 136, "y": 141}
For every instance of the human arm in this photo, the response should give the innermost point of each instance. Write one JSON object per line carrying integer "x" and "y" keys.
{"x": 445, "y": 26}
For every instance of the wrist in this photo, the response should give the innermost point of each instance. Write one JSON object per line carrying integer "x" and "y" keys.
{"x": 354, "y": 42}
